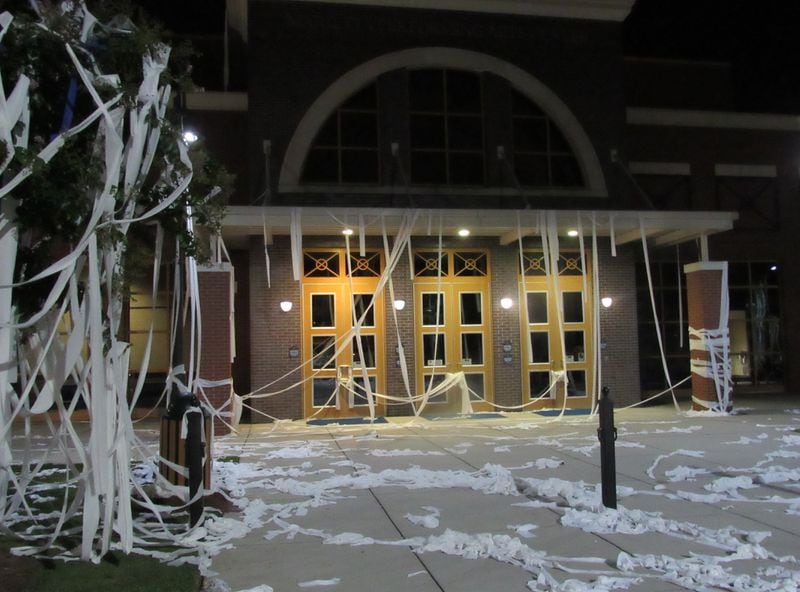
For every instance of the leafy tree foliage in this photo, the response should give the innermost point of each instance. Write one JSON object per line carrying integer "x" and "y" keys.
{"x": 54, "y": 203}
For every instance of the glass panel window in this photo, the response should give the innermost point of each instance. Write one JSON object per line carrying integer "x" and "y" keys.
{"x": 446, "y": 127}
{"x": 466, "y": 169}
{"x": 345, "y": 149}
{"x": 431, "y": 305}
{"x": 431, "y": 382}
{"x": 475, "y": 386}
{"x": 368, "y": 351}
{"x": 537, "y": 307}
{"x": 360, "y": 304}
{"x": 433, "y": 350}
{"x": 429, "y": 168}
{"x": 323, "y": 348}
{"x": 427, "y": 264}
{"x": 472, "y": 349}
{"x": 367, "y": 266}
{"x": 574, "y": 346}
{"x": 360, "y": 390}
{"x": 573, "y": 307}
{"x": 542, "y": 155}
{"x": 463, "y": 92}
{"x": 538, "y": 383}
{"x": 323, "y": 392}
{"x": 427, "y": 131}
{"x": 576, "y": 386}
{"x": 540, "y": 347}
{"x": 320, "y": 264}
{"x": 471, "y": 310}
{"x": 470, "y": 264}
{"x": 323, "y": 311}
{"x": 360, "y": 166}
{"x": 426, "y": 90}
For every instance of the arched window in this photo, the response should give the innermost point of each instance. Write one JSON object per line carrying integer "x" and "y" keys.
{"x": 345, "y": 149}
{"x": 437, "y": 128}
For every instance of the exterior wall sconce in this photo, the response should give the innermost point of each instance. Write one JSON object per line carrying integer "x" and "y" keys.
{"x": 286, "y": 306}
{"x": 399, "y": 304}
{"x": 190, "y": 137}
{"x": 606, "y": 301}
{"x": 506, "y": 303}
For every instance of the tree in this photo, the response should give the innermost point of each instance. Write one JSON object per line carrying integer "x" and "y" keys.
{"x": 93, "y": 167}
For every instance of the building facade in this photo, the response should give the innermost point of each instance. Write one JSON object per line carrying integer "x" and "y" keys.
{"x": 434, "y": 199}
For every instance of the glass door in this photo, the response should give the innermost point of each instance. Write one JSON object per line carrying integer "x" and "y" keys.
{"x": 342, "y": 366}
{"x": 550, "y": 348}
{"x": 453, "y": 328}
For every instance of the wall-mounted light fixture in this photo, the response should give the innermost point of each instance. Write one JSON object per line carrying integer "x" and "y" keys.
{"x": 399, "y": 304}
{"x": 190, "y": 137}
{"x": 506, "y": 302}
{"x": 606, "y": 301}
{"x": 286, "y": 306}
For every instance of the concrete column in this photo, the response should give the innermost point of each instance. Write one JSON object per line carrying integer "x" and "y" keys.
{"x": 215, "y": 283}
{"x": 705, "y": 281}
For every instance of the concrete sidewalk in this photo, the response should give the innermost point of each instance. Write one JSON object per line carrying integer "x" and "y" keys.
{"x": 425, "y": 505}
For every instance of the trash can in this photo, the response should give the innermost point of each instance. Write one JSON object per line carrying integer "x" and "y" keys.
{"x": 173, "y": 449}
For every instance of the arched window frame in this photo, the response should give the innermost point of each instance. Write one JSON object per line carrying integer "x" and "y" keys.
{"x": 437, "y": 57}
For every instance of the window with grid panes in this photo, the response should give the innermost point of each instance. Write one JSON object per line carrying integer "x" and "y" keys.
{"x": 446, "y": 127}
{"x": 345, "y": 149}
{"x": 542, "y": 156}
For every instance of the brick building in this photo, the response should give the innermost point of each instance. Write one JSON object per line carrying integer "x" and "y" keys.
{"x": 367, "y": 134}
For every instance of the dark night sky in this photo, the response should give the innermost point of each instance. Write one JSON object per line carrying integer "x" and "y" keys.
{"x": 760, "y": 38}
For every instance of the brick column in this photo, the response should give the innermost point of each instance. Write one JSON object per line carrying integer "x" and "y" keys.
{"x": 215, "y": 338}
{"x": 704, "y": 285}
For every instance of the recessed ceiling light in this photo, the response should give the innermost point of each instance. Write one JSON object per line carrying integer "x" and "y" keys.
{"x": 347, "y": 231}
{"x": 463, "y": 232}
{"x": 572, "y": 232}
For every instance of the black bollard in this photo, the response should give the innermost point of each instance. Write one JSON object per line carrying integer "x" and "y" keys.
{"x": 194, "y": 461}
{"x": 607, "y": 434}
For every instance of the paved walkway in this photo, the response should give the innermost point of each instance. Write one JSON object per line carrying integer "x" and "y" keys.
{"x": 463, "y": 505}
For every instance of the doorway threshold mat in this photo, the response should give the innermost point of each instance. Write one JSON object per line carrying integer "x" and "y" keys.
{"x": 557, "y": 412}
{"x": 346, "y": 421}
{"x": 487, "y": 415}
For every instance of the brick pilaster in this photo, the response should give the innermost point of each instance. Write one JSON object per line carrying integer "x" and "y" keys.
{"x": 704, "y": 284}
{"x": 215, "y": 338}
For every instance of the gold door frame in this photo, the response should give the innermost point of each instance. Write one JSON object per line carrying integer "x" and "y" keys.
{"x": 467, "y": 346}
{"x": 326, "y": 273}
{"x": 543, "y": 350}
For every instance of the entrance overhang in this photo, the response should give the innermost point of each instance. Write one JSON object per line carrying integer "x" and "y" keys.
{"x": 660, "y": 228}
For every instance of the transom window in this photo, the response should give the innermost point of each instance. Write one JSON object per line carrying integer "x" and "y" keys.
{"x": 446, "y": 145}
